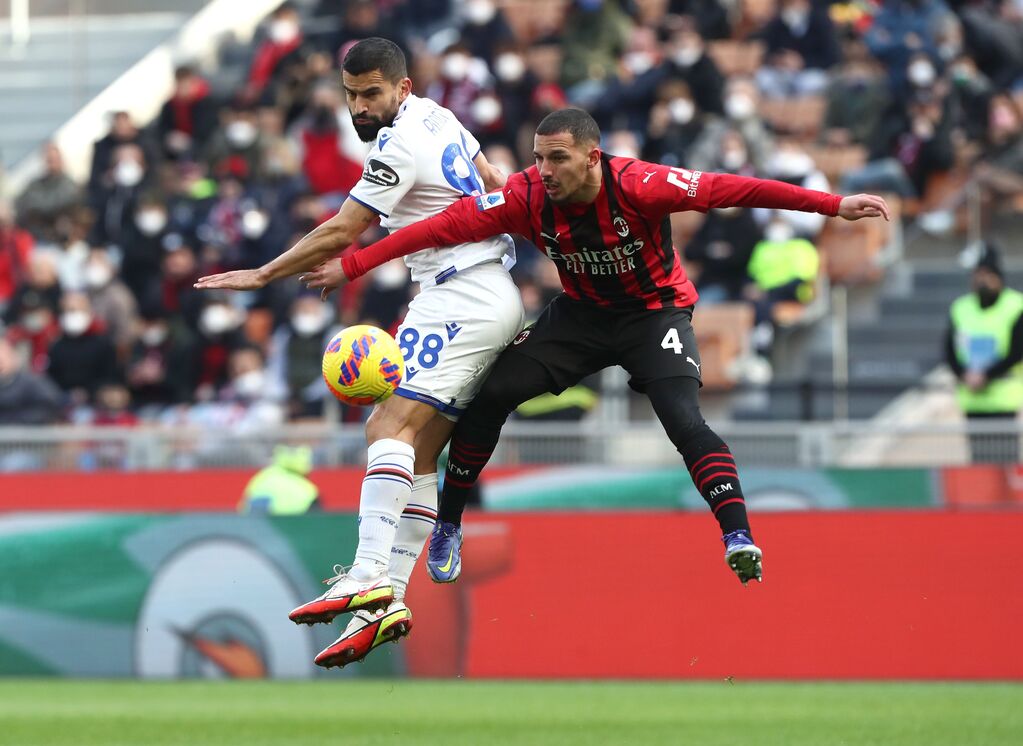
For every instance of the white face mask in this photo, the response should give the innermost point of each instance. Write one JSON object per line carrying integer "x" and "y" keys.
{"x": 778, "y": 232}
{"x": 638, "y": 63}
{"x": 789, "y": 164}
{"x": 74, "y": 323}
{"x": 153, "y": 336}
{"x": 283, "y": 30}
{"x": 510, "y": 67}
{"x": 681, "y": 110}
{"x": 250, "y": 385}
{"x": 97, "y": 275}
{"x": 151, "y": 222}
{"x": 254, "y": 223}
{"x": 479, "y": 12}
{"x": 921, "y": 73}
{"x": 795, "y": 18}
{"x": 739, "y": 106}
{"x": 308, "y": 324}
{"x": 128, "y": 173}
{"x": 687, "y": 56}
{"x": 733, "y": 160}
{"x": 455, "y": 67}
{"x": 486, "y": 110}
{"x": 216, "y": 320}
{"x": 241, "y": 133}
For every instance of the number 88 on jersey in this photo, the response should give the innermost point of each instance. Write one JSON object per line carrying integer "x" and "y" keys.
{"x": 362, "y": 365}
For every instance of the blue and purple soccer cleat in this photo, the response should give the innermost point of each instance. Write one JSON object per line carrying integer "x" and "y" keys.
{"x": 743, "y": 556}
{"x": 444, "y": 558}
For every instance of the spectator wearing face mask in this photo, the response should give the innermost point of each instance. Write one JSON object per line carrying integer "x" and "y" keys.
{"x": 464, "y": 87}
{"x": 295, "y": 360}
{"x": 48, "y": 198}
{"x": 162, "y": 365}
{"x": 189, "y": 117}
{"x": 484, "y": 29}
{"x": 234, "y": 147}
{"x": 783, "y": 267}
{"x": 680, "y": 134}
{"x": 15, "y": 248}
{"x": 792, "y": 164}
{"x": 250, "y": 388}
{"x": 83, "y": 357}
{"x": 327, "y": 169}
{"x": 984, "y": 349}
{"x": 111, "y": 300}
{"x": 741, "y": 102}
{"x": 116, "y": 197}
{"x": 143, "y": 252}
{"x": 800, "y": 47}
{"x": 720, "y": 251}
{"x": 220, "y": 334}
{"x": 33, "y": 329}
{"x": 913, "y": 144}
{"x": 687, "y": 59}
{"x": 280, "y": 48}
{"x": 514, "y": 83}
{"x": 902, "y": 29}
{"x": 122, "y": 132}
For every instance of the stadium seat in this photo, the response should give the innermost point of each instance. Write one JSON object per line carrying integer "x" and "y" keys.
{"x": 835, "y": 161}
{"x": 722, "y": 332}
{"x": 851, "y": 249}
{"x": 800, "y": 117}
{"x": 736, "y": 57}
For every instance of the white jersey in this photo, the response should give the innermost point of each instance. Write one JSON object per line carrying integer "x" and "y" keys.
{"x": 418, "y": 166}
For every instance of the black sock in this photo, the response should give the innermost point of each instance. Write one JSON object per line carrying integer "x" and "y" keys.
{"x": 471, "y": 449}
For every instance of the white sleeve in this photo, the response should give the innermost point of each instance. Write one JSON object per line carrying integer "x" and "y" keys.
{"x": 389, "y": 173}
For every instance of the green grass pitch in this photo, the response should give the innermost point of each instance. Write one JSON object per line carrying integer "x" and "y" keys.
{"x": 350, "y": 712}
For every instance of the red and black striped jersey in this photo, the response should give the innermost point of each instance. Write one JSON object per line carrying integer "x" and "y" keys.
{"x": 614, "y": 251}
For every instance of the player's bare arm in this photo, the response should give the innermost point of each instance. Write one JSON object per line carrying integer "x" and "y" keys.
{"x": 493, "y": 177}
{"x": 314, "y": 248}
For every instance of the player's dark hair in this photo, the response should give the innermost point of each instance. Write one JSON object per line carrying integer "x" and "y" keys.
{"x": 376, "y": 54}
{"x": 576, "y": 122}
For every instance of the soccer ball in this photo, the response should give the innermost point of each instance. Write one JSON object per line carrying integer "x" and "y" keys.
{"x": 362, "y": 365}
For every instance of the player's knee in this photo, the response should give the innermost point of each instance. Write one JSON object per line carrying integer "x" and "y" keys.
{"x": 500, "y": 395}
{"x": 685, "y": 424}
{"x": 397, "y": 418}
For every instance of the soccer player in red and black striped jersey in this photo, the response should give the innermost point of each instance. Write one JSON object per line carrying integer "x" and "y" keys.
{"x": 626, "y": 301}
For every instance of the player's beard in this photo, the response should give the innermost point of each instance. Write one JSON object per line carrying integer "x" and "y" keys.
{"x": 368, "y": 127}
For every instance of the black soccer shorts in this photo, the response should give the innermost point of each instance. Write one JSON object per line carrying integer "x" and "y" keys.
{"x": 573, "y": 339}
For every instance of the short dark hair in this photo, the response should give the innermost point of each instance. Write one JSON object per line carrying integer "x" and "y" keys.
{"x": 376, "y": 54}
{"x": 576, "y": 122}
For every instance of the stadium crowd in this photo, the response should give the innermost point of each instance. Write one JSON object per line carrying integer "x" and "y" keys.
{"x": 101, "y": 325}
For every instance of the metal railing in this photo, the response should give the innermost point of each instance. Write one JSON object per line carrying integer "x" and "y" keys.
{"x": 783, "y": 444}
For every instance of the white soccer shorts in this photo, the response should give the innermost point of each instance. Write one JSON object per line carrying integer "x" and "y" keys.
{"x": 453, "y": 333}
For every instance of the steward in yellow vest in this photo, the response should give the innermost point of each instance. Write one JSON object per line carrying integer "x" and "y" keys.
{"x": 283, "y": 488}
{"x": 984, "y": 348}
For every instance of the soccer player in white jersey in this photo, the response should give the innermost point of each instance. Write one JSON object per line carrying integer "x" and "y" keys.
{"x": 467, "y": 311}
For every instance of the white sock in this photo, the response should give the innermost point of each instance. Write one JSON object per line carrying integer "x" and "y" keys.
{"x": 386, "y": 489}
{"x": 414, "y": 528}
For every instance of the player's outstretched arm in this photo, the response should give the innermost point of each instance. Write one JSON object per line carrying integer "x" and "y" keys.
{"x": 319, "y": 244}
{"x": 468, "y": 219}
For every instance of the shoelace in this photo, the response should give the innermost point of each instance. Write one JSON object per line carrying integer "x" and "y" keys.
{"x": 438, "y": 551}
{"x": 340, "y": 573}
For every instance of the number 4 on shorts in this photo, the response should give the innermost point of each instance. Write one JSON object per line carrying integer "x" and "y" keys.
{"x": 672, "y": 342}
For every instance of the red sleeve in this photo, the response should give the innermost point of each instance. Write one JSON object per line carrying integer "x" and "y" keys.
{"x": 678, "y": 189}
{"x": 468, "y": 219}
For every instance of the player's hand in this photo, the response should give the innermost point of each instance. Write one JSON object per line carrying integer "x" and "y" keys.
{"x": 328, "y": 275}
{"x": 863, "y": 206}
{"x": 240, "y": 279}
